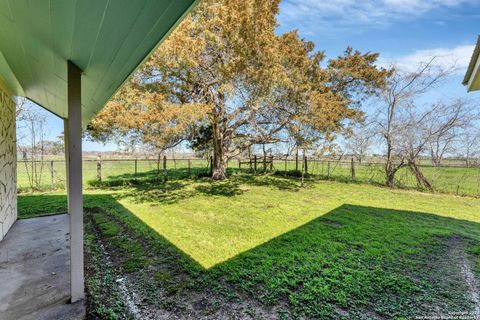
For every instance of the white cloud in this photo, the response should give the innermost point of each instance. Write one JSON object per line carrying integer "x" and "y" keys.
{"x": 341, "y": 15}
{"x": 446, "y": 58}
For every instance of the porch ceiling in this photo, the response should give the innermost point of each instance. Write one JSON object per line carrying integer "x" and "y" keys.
{"x": 472, "y": 77}
{"x": 107, "y": 39}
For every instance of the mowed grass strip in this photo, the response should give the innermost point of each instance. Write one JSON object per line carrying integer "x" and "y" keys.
{"x": 329, "y": 250}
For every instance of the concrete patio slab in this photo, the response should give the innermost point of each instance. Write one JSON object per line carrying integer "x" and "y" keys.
{"x": 35, "y": 271}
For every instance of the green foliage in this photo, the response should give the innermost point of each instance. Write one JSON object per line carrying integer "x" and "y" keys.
{"x": 107, "y": 228}
{"x": 201, "y": 141}
{"x": 134, "y": 264}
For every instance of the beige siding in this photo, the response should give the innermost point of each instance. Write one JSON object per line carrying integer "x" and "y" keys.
{"x": 8, "y": 189}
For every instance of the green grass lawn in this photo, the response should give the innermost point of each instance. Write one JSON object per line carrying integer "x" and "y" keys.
{"x": 263, "y": 247}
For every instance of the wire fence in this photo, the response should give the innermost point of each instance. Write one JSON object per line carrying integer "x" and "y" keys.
{"x": 50, "y": 175}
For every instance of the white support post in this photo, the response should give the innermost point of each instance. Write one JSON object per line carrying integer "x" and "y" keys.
{"x": 73, "y": 156}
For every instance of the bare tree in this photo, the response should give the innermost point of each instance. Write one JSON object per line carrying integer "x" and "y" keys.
{"x": 360, "y": 140}
{"x": 401, "y": 89}
{"x": 31, "y": 137}
{"x": 435, "y": 124}
{"x": 467, "y": 146}
{"x": 450, "y": 124}
{"x": 21, "y": 106}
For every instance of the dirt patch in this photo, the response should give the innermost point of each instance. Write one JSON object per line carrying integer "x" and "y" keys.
{"x": 103, "y": 292}
{"x": 458, "y": 254}
{"x": 160, "y": 291}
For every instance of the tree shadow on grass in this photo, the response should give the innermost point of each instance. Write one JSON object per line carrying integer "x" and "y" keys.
{"x": 171, "y": 192}
{"x": 157, "y": 191}
{"x": 280, "y": 183}
{"x": 352, "y": 262}
{"x": 168, "y": 192}
{"x": 197, "y": 174}
{"x": 228, "y": 188}
{"x": 155, "y": 175}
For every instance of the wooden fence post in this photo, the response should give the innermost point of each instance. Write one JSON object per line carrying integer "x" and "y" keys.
{"x": 174, "y": 167}
{"x": 99, "y": 169}
{"x": 255, "y": 164}
{"x": 353, "y": 170}
{"x": 158, "y": 167}
{"x": 328, "y": 168}
{"x": 306, "y": 163}
{"x": 165, "y": 172}
{"x": 296, "y": 161}
{"x": 136, "y": 167}
{"x": 239, "y": 164}
{"x": 271, "y": 164}
{"x": 189, "y": 168}
{"x": 211, "y": 166}
{"x": 52, "y": 177}
{"x": 286, "y": 161}
{"x": 303, "y": 171}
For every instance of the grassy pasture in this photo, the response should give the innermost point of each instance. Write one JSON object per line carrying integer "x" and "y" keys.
{"x": 454, "y": 180}
{"x": 261, "y": 247}
{"x": 457, "y": 180}
{"x": 111, "y": 170}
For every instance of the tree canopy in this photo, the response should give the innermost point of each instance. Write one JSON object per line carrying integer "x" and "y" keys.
{"x": 227, "y": 75}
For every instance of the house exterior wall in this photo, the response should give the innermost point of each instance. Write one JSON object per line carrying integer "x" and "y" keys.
{"x": 8, "y": 162}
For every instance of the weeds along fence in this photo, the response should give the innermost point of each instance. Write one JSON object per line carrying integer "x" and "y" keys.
{"x": 460, "y": 180}
{"x": 50, "y": 175}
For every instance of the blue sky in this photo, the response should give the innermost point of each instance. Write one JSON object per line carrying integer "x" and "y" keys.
{"x": 404, "y": 32}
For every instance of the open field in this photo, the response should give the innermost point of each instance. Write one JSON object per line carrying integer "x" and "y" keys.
{"x": 111, "y": 170}
{"x": 448, "y": 179}
{"x": 261, "y": 247}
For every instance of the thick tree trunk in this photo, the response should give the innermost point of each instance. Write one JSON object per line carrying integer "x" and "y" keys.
{"x": 389, "y": 168}
{"x": 219, "y": 165}
{"x": 390, "y": 171}
{"x": 390, "y": 175}
{"x": 219, "y": 171}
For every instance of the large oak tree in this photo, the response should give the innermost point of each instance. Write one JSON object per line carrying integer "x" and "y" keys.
{"x": 226, "y": 68}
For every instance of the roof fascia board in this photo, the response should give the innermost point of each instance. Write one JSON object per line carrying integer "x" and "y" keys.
{"x": 474, "y": 75}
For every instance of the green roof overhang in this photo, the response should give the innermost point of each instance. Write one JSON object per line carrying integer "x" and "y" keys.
{"x": 106, "y": 39}
{"x": 472, "y": 77}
